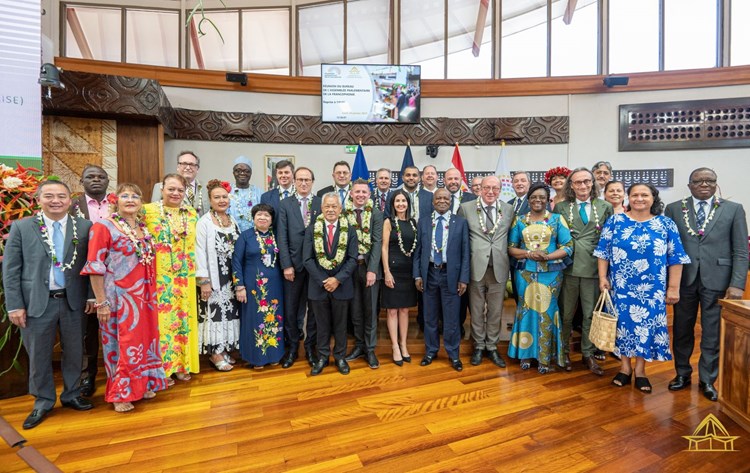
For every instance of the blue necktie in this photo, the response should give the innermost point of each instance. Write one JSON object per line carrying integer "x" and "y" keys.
{"x": 59, "y": 241}
{"x": 700, "y": 217}
{"x": 582, "y": 213}
{"x": 342, "y": 194}
{"x": 438, "y": 256}
{"x": 286, "y": 194}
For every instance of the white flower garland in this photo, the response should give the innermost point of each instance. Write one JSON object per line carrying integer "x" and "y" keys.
{"x": 364, "y": 235}
{"x": 482, "y": 222}
{"x": 594, "y": 212}
{"x": 400, "y": 239}
{"x": 319, "y": 235}
{"x": 702, "y": 229}
{"x": 51, "y": 244}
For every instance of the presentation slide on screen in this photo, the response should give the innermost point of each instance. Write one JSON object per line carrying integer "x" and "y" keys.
{"x": 20, "y": 93}
{"x": 370, "y": 93}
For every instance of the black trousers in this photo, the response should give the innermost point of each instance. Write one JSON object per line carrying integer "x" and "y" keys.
{"x": 330, "y": 317}
{"x": 91, "y": 346}
{"x": 296, "y": 303}
{"x": 363, "y": 312}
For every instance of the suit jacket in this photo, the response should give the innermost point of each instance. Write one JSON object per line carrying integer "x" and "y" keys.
{"x": 290, "y": 233}
{"x": 376, "y": 201}
{"x": 483, "y": 244}
{"x": 272, "y": 198}
{"x": 457, "y": 251}
{"x": 465, "y": 197}
{"x": 27, "y": 263}
{"x": 425, "y": 203}
{"x": 79, "y": 204}
{"x": 524, "y": 206}
{"x": 202, "y": 202}
{"x": 372, "y": 258}
{"x": 585, "y": 237}
{"x": 342, "y": 272}
{"x": 721, "y": 253}
{"x": 328, "y": 189}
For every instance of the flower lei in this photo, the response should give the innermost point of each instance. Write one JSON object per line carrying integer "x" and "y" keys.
{"x": 242, "y": 215}
{"x": 268, "y": 249}
{"x": 710, "y": 215}
{"x": 401, "y": 241}
{"x": 483, "y": 223}
{"x": 594, "y": 212}
{"x": 221, "y": 224}
{"x": 51, "y": 244}
{"x": 364, "y": 236}
{"x": 527, "y": 220}
{"x": 445, "y": 237}
{"x": 169, "y": 234}
{"x": 318, "y": 236}
{"x": 144, "y": 250}
{"x": 198, "y": 194}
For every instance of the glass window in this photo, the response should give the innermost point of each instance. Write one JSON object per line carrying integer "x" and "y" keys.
{"x": 463, "y": 16}
{"x": 94, "y": 29}
{"x": 739, "y": 47}
{"x": 153, "y": 37}
{"x": 321, "y": 37}
{"x": 689, "y": 34}
{"x": 633, "y": 36}
{"x": 265, "y": 41}
{"x": 575, "y": 46}
{"x": 523, "y": 50}
{"x": 367, "y": 31}
{"x": 217, "y": 54}
{"x": 422, "y": 36}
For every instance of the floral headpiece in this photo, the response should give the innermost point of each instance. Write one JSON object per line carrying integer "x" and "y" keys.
{"x": 227, "y": 186}
{"x": 558, "y": 171}
{"x": 112, "y": 198}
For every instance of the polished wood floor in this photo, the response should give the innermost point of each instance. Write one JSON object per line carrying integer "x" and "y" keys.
{"x": 393, "y": 419}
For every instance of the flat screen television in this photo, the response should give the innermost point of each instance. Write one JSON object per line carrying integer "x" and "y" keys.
{"x": 370, "y": 93}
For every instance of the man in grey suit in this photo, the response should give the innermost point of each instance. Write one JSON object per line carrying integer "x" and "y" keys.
{"x": 714, "y": 234}
{"x": 585, "y": 214}
{"x": 44, "y": 289}
{"x": 296, "y": 213}
{"x": 489, "y": 220}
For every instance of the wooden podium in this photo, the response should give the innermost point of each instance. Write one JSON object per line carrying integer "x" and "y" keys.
{"x": 734, "y": 361}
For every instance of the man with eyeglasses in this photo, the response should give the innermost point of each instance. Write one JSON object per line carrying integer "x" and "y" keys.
{"x": 603, "y": 174}
{"x": 244, "y": 196}
{"x": 714, "y": 234}
{"x": 489, "y": 220}
{"x": 585, "y": 214}
{"x": 196, "y": 196}
{"x": 342, "y": 180}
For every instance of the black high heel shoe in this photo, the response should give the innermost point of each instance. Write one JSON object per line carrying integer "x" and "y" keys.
{"x": 405, "y": 358}
{"x": 395, "y": 361}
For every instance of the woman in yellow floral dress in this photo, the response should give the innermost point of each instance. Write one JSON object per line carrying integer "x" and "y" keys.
{"x": 172, "y": 225}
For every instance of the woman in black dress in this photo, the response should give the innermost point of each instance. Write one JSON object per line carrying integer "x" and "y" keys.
{"x": 399, "y": 291}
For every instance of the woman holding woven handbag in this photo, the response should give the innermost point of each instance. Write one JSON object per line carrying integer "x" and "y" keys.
{"x": 640, "y": 259}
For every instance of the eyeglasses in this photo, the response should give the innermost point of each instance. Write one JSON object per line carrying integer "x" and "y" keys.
{"x": 587, "y": 182}
{"x": 129, "y": 196}
{"x": 491, "y": 188}
{"x": 301, "y": 179}
{"x": 700, "y": 182}
{"x": 189, "y": 165}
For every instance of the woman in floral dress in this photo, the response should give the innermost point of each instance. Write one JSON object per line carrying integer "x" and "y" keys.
{"x": 219, "y": 316}
{"x": 260, "y": 290}
{"x": 172, "y": 226}
{"x": 121, "y": 269}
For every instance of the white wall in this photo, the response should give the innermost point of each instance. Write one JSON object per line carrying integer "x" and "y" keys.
{"x": 593, "y": 137}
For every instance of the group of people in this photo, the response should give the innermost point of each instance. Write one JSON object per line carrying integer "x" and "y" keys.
{"x": 225, "y": 268}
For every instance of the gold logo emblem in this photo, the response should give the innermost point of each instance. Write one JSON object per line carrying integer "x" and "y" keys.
{"x": 711, "y": 436}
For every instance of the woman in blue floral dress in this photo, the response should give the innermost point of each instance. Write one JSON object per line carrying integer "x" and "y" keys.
{"x": 260, "y": 291}
{"x": 640, "y": 259}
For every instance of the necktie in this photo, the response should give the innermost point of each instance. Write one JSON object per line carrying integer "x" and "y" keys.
{"x": 59, "y": 241}
{"x": 286, "y": 194}
{"x": 438, "y": 255}
{"x": 382, "y": 201}
{"x": 517, "y": 205}
{"x": 342, "y": 195}
{"x": 303, "y": 210}
{"x": 359, "y": 217}
{"x": 490, "y": 211}
{"x": 330, "y": 237}
{"x": 453, "y": 202}
{"x": 700, "y": 217}
{"x": 582, "y": 213}
{"x": 191, "y": 194}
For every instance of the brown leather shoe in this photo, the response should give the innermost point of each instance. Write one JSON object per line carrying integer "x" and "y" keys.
{"x": 567, "y": 364}
{"x": 592, "y": 365}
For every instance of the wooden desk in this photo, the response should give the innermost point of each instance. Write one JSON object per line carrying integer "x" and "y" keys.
{"x": 734, "y": 361}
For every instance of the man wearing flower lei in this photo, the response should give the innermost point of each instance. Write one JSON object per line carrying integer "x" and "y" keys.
{"x": 284, "y": 172}
{"x": 585, "y": 214}
{"x": 195, "y": 195}
{"x": 244, "y": 195}
{"x": 441, "y": 272}
{"x": 94, "y": 206}
{"x": 368, "y": 222}
{"x": 45, "y": 292}
{"x": 330, "y": 255}
{"x": 421, "y": 199}
{"x": 295, "y": 215}
{"x": 714, "y": 233}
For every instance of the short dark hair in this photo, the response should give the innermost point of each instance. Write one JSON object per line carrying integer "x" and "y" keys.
{"x": 690, "y": 178}
{"x": 359, "y": 180}
{"x": 303, "y": 168}
{"x": 284, "y": 163}
{"x": 410, "y": 167}
{"x": 658, "y": 206}
{"x": 342, "y": 163}
{"x": 536, "y": 186}
{"x": 49, "y": 182}
{"x": 93, "y": 166}
{"x": 609, "y": 183}
{"x": 262, "y": 208}
{"x": 184, "y": 152}
{"x": 174, "y": 175}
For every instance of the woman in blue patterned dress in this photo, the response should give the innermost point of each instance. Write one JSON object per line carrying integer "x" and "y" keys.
{"x": 540, "y": 241}
{"x": 640, "y": 259}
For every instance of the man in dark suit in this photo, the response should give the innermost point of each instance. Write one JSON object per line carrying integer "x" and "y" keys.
{"x": 44, "y": 290}
{"x": 714, "y": 234}
{"x": 367, "y": 220}
{"x": 585, "y": 214}
{"x": 520, "y": 207}
{"x": 330, "y": 257}
{"x": 441, "y": 271}
{"x": 92, "y": 205}
{"x": 382, "y": 190}
{"x": 285, "y": 180}
{"x": 295, "y": 215}
{"x": 342, "y": 177}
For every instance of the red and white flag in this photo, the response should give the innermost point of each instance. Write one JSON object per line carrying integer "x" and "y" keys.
{"x": 459, "y": 164}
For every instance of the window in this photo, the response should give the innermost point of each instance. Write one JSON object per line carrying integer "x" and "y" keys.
{"x": 321, "y": 37}
{"x": 462, "y": 25}
{"x": 523, "y": 48}
{"x": 689, "y": 34}
{"x": 422, "y": 36}
{"x": 633, "y": 36}
{"x": 740, "y": 33}
{"x": 575, "y": 46}
{"x": 265, "y": 41}
{"x": 368, "y": 31}
{"x": 93, "y": 33}
{"x": 211, "y": 52}
{"x": 153, "y": 37}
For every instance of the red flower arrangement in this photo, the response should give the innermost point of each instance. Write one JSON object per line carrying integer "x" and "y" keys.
{"x": 227, "y": 186}
{"x": 558, "y": 171}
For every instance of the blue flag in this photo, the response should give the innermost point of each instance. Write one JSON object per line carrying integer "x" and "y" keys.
{"x": 408, "y": 161}
{"x": 360, "y": 171}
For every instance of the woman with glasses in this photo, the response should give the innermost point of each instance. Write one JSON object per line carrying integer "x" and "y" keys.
{"x": 121, "y": 269}
{"x": 171, "y": 224}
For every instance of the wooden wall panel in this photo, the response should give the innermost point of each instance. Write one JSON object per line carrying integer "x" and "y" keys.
{"x": 140, "y": 148}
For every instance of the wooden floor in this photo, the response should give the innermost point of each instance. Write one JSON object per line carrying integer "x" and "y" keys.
{"x": 392, "y": 419}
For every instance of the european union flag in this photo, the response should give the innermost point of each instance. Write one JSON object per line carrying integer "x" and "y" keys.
{"x": 408, "y": 161}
